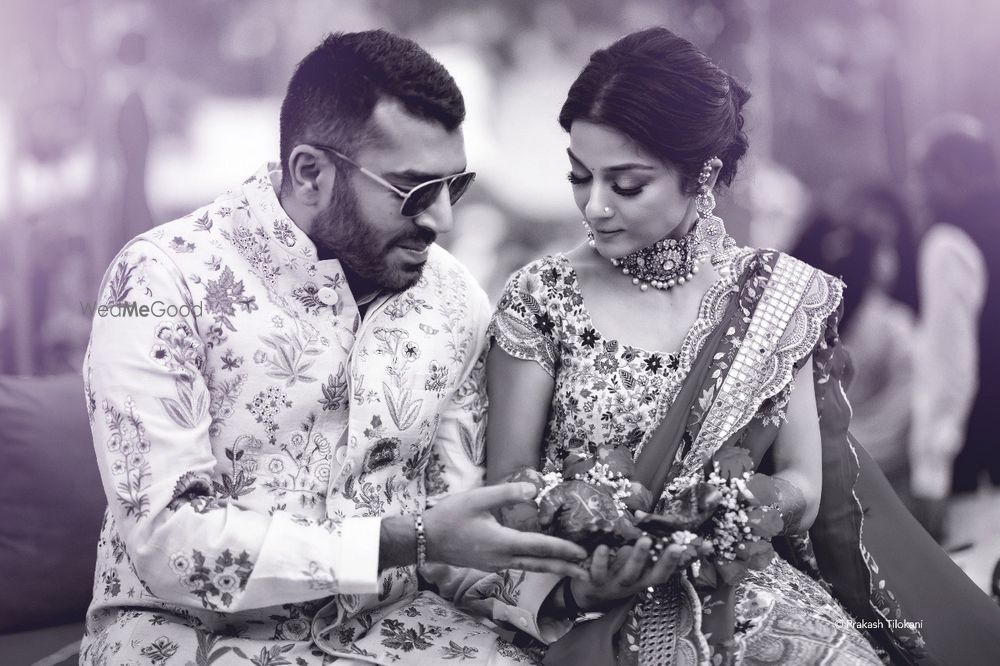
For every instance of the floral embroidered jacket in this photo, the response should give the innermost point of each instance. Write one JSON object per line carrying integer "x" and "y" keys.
{"x": 252, "y": 429}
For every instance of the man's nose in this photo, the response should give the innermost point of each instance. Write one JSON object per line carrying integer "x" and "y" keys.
{"x": 438, "y": 218}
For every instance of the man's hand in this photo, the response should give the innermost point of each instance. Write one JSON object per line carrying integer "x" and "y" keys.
{"x": 630, "y": 573}
{"x": 462, "y": 531}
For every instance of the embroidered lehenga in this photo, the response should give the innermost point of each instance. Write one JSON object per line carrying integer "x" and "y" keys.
{"x": 728, "y": 384}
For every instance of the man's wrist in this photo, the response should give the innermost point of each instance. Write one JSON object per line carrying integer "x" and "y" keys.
{"x": 397, "y": 542}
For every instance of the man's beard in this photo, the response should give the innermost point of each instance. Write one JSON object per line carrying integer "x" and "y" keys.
{"x": 339, "y": 232}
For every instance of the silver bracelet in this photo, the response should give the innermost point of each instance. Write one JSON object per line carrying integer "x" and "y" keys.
{"x": 418, "y": 525}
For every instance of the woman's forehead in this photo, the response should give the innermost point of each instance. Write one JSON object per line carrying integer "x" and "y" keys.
{"x": 600, "y": 147}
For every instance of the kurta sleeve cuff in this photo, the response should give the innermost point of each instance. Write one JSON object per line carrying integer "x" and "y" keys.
{"x": 358, "y": 557}
{"x": 524, "y": 616}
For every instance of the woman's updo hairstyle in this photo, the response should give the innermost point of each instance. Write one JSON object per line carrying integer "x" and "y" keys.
{"x": 668, "y": 97}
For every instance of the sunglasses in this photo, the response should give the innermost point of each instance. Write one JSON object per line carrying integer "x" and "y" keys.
{"x": 422, "y": 196}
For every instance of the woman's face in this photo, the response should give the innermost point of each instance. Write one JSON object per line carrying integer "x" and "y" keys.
{"x": 629, "y": 198}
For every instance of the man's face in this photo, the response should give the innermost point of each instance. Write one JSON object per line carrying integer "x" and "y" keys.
{"x": 363, "y": 227}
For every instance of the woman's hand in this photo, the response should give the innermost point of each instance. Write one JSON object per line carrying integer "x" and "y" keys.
{"x": 630, "y": 572}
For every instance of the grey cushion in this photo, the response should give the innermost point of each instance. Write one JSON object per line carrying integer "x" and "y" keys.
{"x": 51, "y": 502}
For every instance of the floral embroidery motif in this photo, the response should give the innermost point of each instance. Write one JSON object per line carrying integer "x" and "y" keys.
{"x": 403, "y": 407}
{"x": 213, "y": 582}
{"x": 303, "y": 469}
{"x": 224, "y": 395}
{"x": 382, "y": 454}
{"x": 224, "y": 294}
{"x": 283, "y": 232}
{"x": 289, "y": 357}
{"x": 455, "y": 651}
{"x": 400, "y": 637}
{"x": 437, "y": 378}
{"x": 244, "y": 466}
{"x": 266, "y": 406}
{"x": 335, "y": 391}
{"x": 129, "y": 444}
{"x": 160, "y": 650}
{"x": 118, "y": 287}
{"x": 178, "y": 244}
{"x": 180, "y": 353}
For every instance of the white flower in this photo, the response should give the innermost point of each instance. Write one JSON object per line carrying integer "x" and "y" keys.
{"x": 226, "y": 581}
{"x": 411, "y": 350}
{"x": 160, "y": 354}
{"x": 180, "y": 563}
{"x": 275, "y": 466}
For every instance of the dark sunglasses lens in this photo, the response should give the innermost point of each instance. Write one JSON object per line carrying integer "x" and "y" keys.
{"x": 421, "y": 198}
{"x": 458, "y": 186}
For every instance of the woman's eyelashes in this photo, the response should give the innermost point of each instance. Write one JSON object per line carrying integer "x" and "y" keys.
{"x": 627, "y": 191}
{"x": 625, "y": 187}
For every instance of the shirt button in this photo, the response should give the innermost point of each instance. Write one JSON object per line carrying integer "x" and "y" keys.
{"x": 328, "y": 296}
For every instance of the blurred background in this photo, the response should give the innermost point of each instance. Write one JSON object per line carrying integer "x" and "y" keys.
{"x": 117, "y": 115}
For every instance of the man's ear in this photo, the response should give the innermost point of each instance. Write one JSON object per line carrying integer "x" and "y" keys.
{"x": 311, "y": 175}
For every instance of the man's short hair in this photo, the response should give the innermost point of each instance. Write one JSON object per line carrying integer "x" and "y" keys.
{"x": 956, "y": 143}
{"x": 334, "y": 89}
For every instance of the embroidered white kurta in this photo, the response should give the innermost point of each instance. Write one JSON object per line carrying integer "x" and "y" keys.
{"x": 251, "y": 430}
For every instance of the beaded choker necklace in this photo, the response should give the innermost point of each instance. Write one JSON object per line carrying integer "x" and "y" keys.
{"x": 665, "y": 264}
{"x": 670, "y": 262}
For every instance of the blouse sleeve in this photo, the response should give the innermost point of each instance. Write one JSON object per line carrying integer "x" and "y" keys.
{"x": 526, "y": 319}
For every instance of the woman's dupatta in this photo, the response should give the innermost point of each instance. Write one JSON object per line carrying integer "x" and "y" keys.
{"x": 911, "y": 599}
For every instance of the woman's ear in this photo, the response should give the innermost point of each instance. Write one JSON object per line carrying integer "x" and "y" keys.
{"x": 311, "y": 175}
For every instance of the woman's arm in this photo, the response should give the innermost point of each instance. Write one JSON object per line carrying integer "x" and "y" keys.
{"x": 798, "y": 460}
{"x": 520, "y": 393}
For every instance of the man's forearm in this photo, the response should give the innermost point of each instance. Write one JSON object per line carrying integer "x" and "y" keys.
{"x": 397, "y": 542}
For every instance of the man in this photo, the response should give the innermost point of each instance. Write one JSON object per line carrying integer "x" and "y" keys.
{"x": 281, "y": 384}
{"x": 954, "y": 442}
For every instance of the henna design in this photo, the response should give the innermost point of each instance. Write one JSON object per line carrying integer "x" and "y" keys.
{"x": 791, "y": 504}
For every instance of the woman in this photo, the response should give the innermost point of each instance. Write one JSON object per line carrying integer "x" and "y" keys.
{"x": 662, "y": 336}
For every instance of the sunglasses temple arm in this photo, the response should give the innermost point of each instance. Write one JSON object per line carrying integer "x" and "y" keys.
{"x": 381, "y": 181}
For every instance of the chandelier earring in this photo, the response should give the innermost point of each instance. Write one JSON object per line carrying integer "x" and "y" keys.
{"x": 709, "y": 232}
